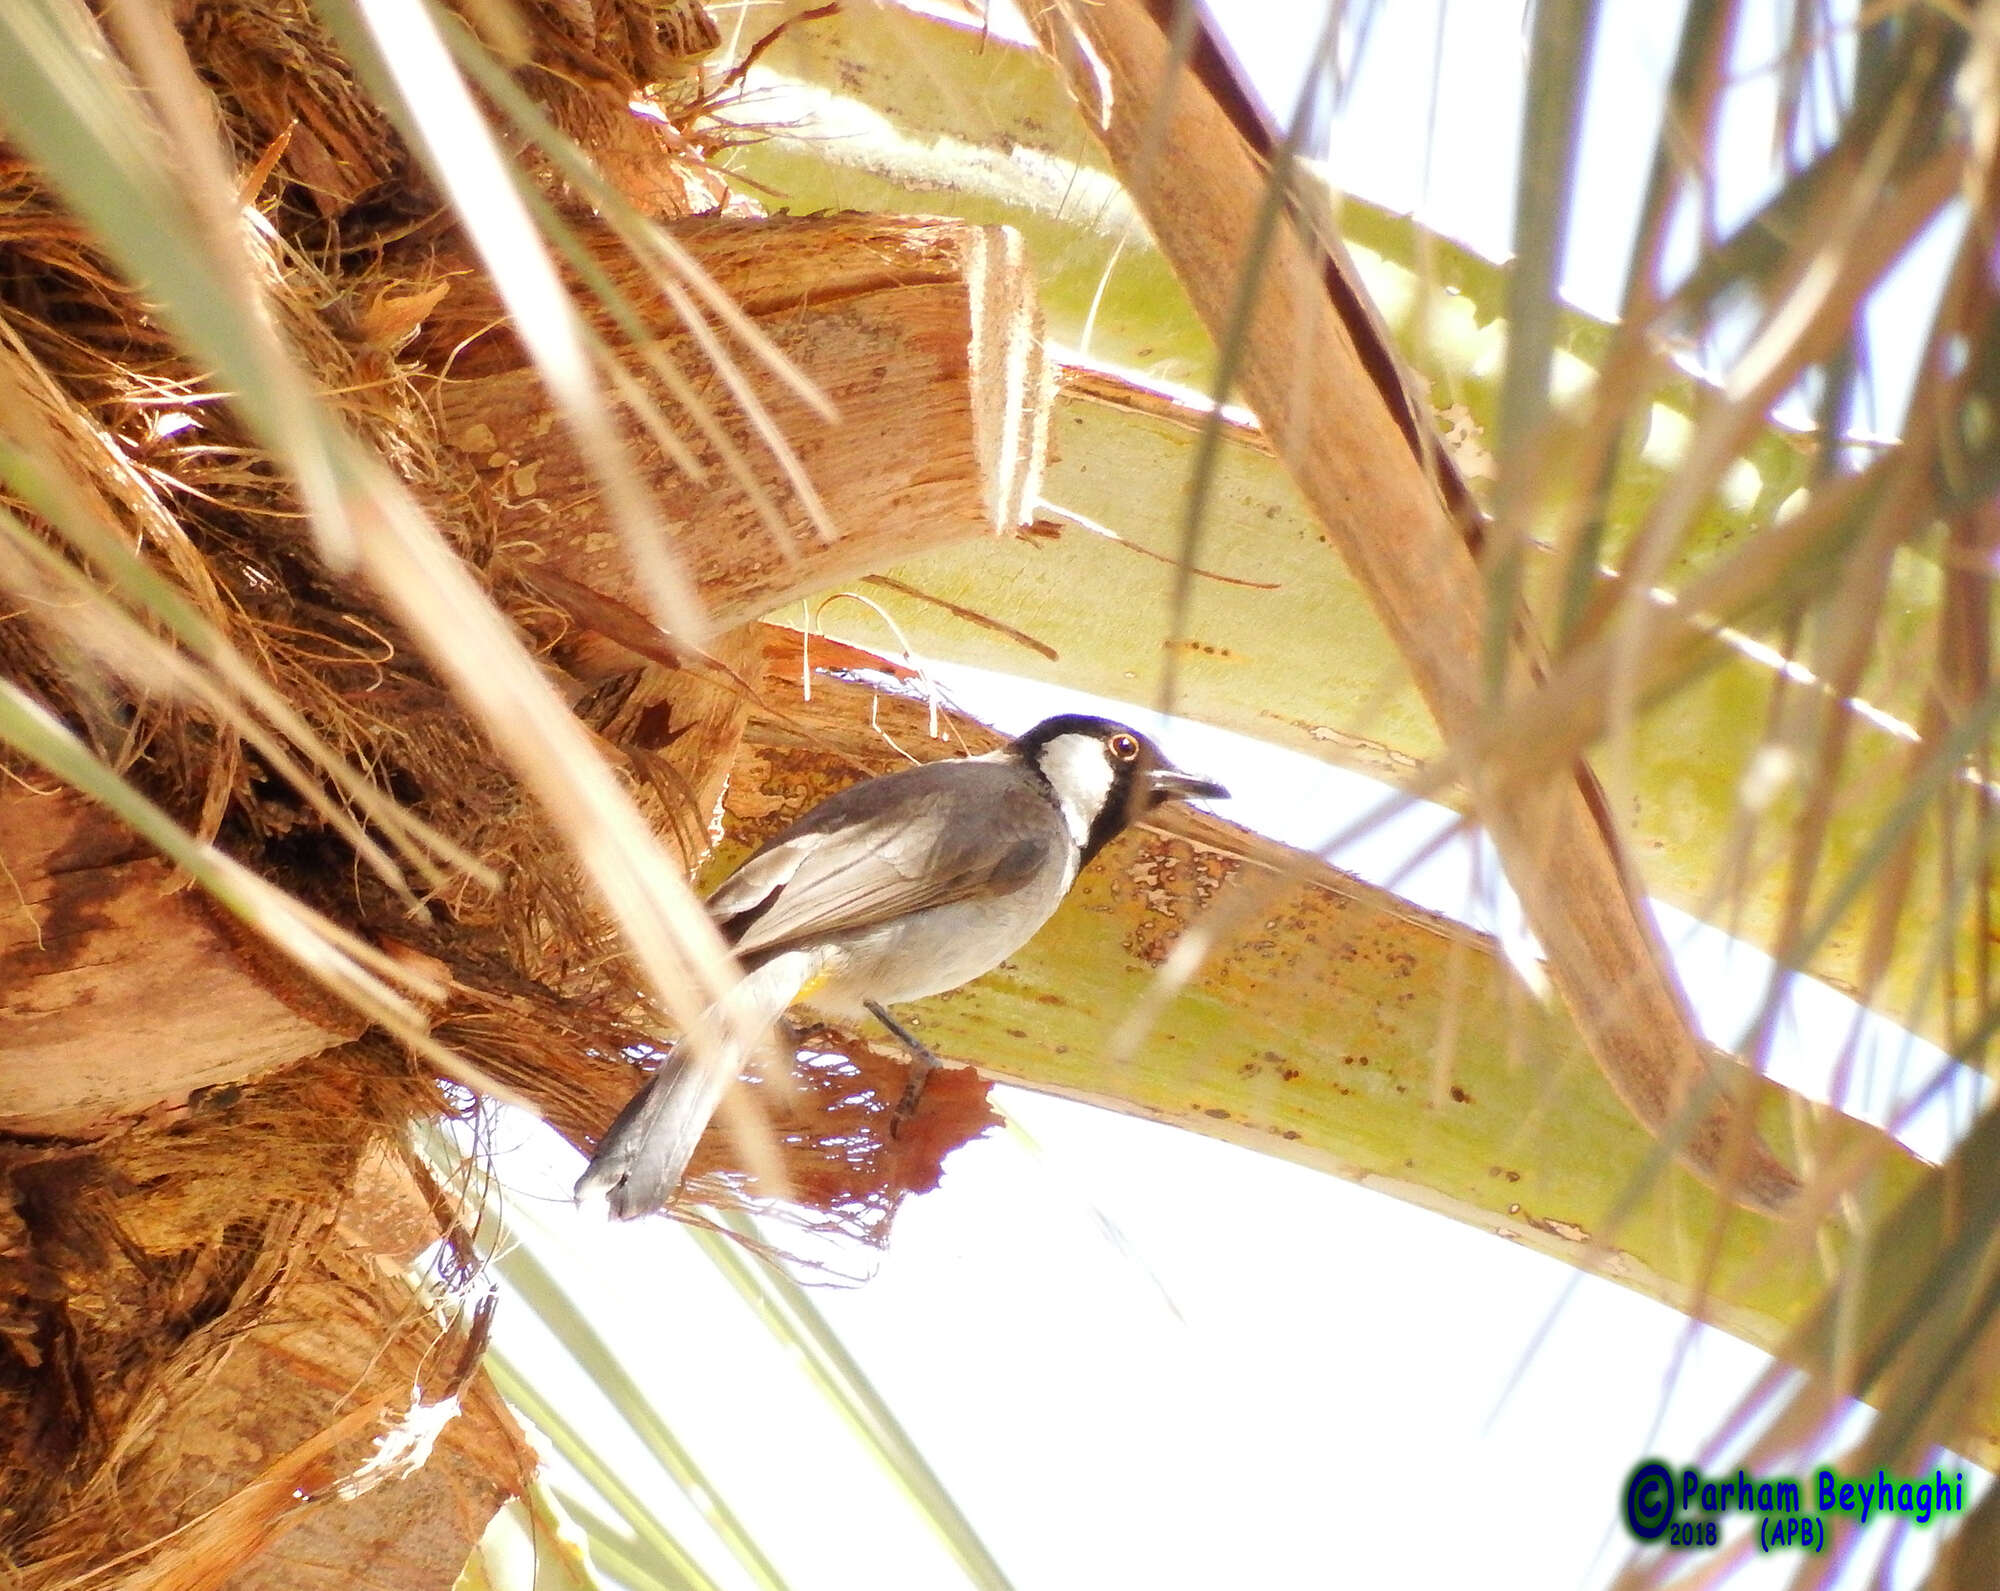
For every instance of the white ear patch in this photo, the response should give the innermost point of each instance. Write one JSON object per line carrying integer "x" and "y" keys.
{"x": 1080, "y": 773}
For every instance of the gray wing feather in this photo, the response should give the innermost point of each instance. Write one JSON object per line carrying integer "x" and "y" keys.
{"x": 890, "y": 847}
{"x": 770, "y": 869}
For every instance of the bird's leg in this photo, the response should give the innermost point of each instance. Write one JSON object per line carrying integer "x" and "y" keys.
{"x": 923, "y": 1064}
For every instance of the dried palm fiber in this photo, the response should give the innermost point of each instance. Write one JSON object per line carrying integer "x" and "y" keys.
{"x": 172, "y": 1327}
{"x": 154, "y": 1270}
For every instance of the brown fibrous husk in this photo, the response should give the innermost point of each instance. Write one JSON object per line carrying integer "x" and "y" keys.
{"x": 139, "y": 1263}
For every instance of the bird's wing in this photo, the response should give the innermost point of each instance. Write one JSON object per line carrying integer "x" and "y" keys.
{"x": 923, "y": 837}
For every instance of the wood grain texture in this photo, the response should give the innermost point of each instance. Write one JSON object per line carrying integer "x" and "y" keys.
{"x": 120, "y": 993}
{"x": 923, "y": 335}
{"x": 121, "y": 990}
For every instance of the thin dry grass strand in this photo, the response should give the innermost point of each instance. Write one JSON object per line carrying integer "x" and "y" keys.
{"x": 653, "y": 355}
{"x": 1827, "y": 729}
{"x": 680, "y": 279}
{"x": 1550, "y": 133}
{"x": 1669, "y": 634}
{"x": 1834, "y": 280}
{"x": 427, "y": 586}
{"x": 347, "y": 966}
{"x": 768, "y": 430}
{"x": 43, "y": 471}
{"x": 207, "y": 1550}
{"x": 670, "y": 935}
{"x": 178, "y": 155}
{"x": 63, "y": 595}
{"x": 1083, "y": 521}
{"x": 1277, "y": 201}
{"x": 445, "y": 127}
{"x": 1841, "y": 254}
{"x": 971, "y": 616}
{"x": 643, "y": 345}
{"x": 932, "y": 695}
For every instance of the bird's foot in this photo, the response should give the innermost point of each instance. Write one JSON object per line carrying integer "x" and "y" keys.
{"x": 923, "y": 1063}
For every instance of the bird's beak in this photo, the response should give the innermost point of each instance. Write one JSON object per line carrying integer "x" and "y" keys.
{"x": 1170, "y": 784}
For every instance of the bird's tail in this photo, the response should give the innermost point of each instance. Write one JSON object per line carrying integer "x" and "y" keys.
{"x": 642, "y": 1158}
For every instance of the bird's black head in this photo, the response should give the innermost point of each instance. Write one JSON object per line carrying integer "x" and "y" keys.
{"x": 1104, "y": 775}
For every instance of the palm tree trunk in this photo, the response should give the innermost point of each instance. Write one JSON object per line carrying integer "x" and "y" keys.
{"x": 214, "y": 1367}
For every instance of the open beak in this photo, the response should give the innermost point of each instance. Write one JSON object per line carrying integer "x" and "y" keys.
{"x": 1170, "y": 784}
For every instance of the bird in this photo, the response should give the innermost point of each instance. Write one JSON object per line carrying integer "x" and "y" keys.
{"x": 896, "y": 888}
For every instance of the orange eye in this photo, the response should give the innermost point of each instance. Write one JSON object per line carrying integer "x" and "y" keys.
{"x": 1123, "y": 747}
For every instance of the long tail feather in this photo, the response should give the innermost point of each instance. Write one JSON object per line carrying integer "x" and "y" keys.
{"x": 643, "y": 1156}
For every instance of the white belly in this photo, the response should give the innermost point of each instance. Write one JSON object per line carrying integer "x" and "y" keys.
{"x": 930, "y": 951}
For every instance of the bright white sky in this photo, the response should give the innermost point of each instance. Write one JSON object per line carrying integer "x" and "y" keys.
{"x": 1143, "y": 1358}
